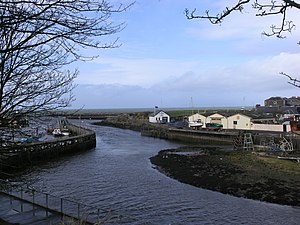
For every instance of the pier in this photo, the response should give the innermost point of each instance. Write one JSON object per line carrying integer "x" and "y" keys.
{"x": 20, "y": 156}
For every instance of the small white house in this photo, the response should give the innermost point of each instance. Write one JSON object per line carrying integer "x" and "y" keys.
{"x": 239, "y": 121}
{"x": 159, "y": 117}
{"x": 196, "y": 120}
{"x": 217, "y": 118}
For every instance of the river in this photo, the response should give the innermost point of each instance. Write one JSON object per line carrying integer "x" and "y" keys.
{"x": 118, "y": 176}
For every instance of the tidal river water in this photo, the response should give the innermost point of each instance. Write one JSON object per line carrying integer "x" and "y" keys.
{"x": 118, "y": 175}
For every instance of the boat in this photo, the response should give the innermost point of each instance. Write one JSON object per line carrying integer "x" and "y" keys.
{"x": 214, "y": 126}
{"x": 65, "y": 132}
{"x": 57, "y": 132}
{"x": 197, "y": 123}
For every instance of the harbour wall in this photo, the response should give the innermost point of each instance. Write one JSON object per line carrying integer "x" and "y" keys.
{"x": 222, "y": 137}
{"x": 189, "y": 136}
{"x": 21, "y": 156}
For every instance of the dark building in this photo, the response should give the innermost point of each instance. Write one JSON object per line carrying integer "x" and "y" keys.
{"x": 279, "y": 102}
{"x": 275, "y": 102}
{"x": 293, "y": 101}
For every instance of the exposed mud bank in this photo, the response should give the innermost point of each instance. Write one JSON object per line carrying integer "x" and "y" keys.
{"x": 242, "y": 174}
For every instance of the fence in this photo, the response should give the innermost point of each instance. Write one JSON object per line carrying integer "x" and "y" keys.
{"x": 25, "y": 199}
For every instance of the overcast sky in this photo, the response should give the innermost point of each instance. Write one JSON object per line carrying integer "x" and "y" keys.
{"x": 169, "y": 61}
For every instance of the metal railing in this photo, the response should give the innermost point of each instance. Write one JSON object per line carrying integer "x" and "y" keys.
{"x": 24, "y": 199}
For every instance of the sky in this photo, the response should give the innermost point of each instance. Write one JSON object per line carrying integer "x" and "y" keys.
{"x": 169, "y": 61}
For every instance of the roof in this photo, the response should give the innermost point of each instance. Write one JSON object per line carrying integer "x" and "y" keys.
{"x": 282, "y": 109}
{"x": 160, "y": 111}
{"x": 197, "y": 114}
{"x": 239, "y": 114}
{"x": 275, "y": 98}
{"x": 216, "y": 115}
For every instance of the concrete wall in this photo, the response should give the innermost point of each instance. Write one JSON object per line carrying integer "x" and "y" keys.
{"x": 188, "y": 136}
{"x": 271, "y": 127}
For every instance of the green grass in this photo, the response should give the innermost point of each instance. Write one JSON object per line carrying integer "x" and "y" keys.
{"x": 180, "y": 113}
{"x": 285, "y": 166}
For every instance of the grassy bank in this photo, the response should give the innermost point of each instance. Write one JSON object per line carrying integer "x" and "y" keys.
{"x": 132, "y": 121}
{"x": 237, "y": 173}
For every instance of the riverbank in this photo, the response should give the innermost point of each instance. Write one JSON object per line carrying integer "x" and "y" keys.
{"x": 237, "y": 173}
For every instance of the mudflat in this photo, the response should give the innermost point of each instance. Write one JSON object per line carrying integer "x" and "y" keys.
{"x": 238, "y": 173}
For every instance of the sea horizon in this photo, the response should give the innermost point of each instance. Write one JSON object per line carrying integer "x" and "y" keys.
{"x": 133, "y": 110}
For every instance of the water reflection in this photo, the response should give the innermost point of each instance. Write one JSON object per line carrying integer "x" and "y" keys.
{"x": 118, "y": 176}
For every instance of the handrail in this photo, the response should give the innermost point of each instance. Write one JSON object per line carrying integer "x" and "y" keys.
{"x": 52, "y": 203}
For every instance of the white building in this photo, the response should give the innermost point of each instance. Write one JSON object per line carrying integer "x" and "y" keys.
{"x": 196, "y": 120}
{"x": 159, "y": 117}
{"x": 239, "y": 121}
{"x": 218, "y": 119}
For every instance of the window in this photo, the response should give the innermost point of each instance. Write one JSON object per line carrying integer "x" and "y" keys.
{"x": 234, "y": 122}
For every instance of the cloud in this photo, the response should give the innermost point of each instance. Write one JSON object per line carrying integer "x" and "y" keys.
{"x": 234, "y": 85}
{"x": 166, "y": 59}
{"x": 112, "y": 96}
{"x": 251, "y": 78}
{"x": 143, "y": 72}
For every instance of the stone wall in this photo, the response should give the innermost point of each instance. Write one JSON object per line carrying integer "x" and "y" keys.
{"x": 22, "y": 156}
{"x": 189, "y": 136}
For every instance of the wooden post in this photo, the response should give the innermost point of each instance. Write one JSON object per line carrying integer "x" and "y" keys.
{"x": 22, "y": 199}
{"x": 33, "y": 203}
{"x": 61, "y": 205}
{"x": 78, "y": 211}
{"x": 10, "y": 196}
{"x": 47, "y": 204}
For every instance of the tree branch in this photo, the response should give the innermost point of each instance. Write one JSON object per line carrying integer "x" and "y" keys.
{"x": 219, "y": 17}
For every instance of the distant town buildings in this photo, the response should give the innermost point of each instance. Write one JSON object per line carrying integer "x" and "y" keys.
{"x": 279, "y": 101}
{"x": 277, "y": 114}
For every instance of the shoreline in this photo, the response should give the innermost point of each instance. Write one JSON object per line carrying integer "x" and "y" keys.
{"x": 237, "y": 173}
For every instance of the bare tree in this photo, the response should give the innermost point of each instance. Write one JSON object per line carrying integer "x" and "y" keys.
{"x": 38, "y": 38}
{"x": 274, "y": 8}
